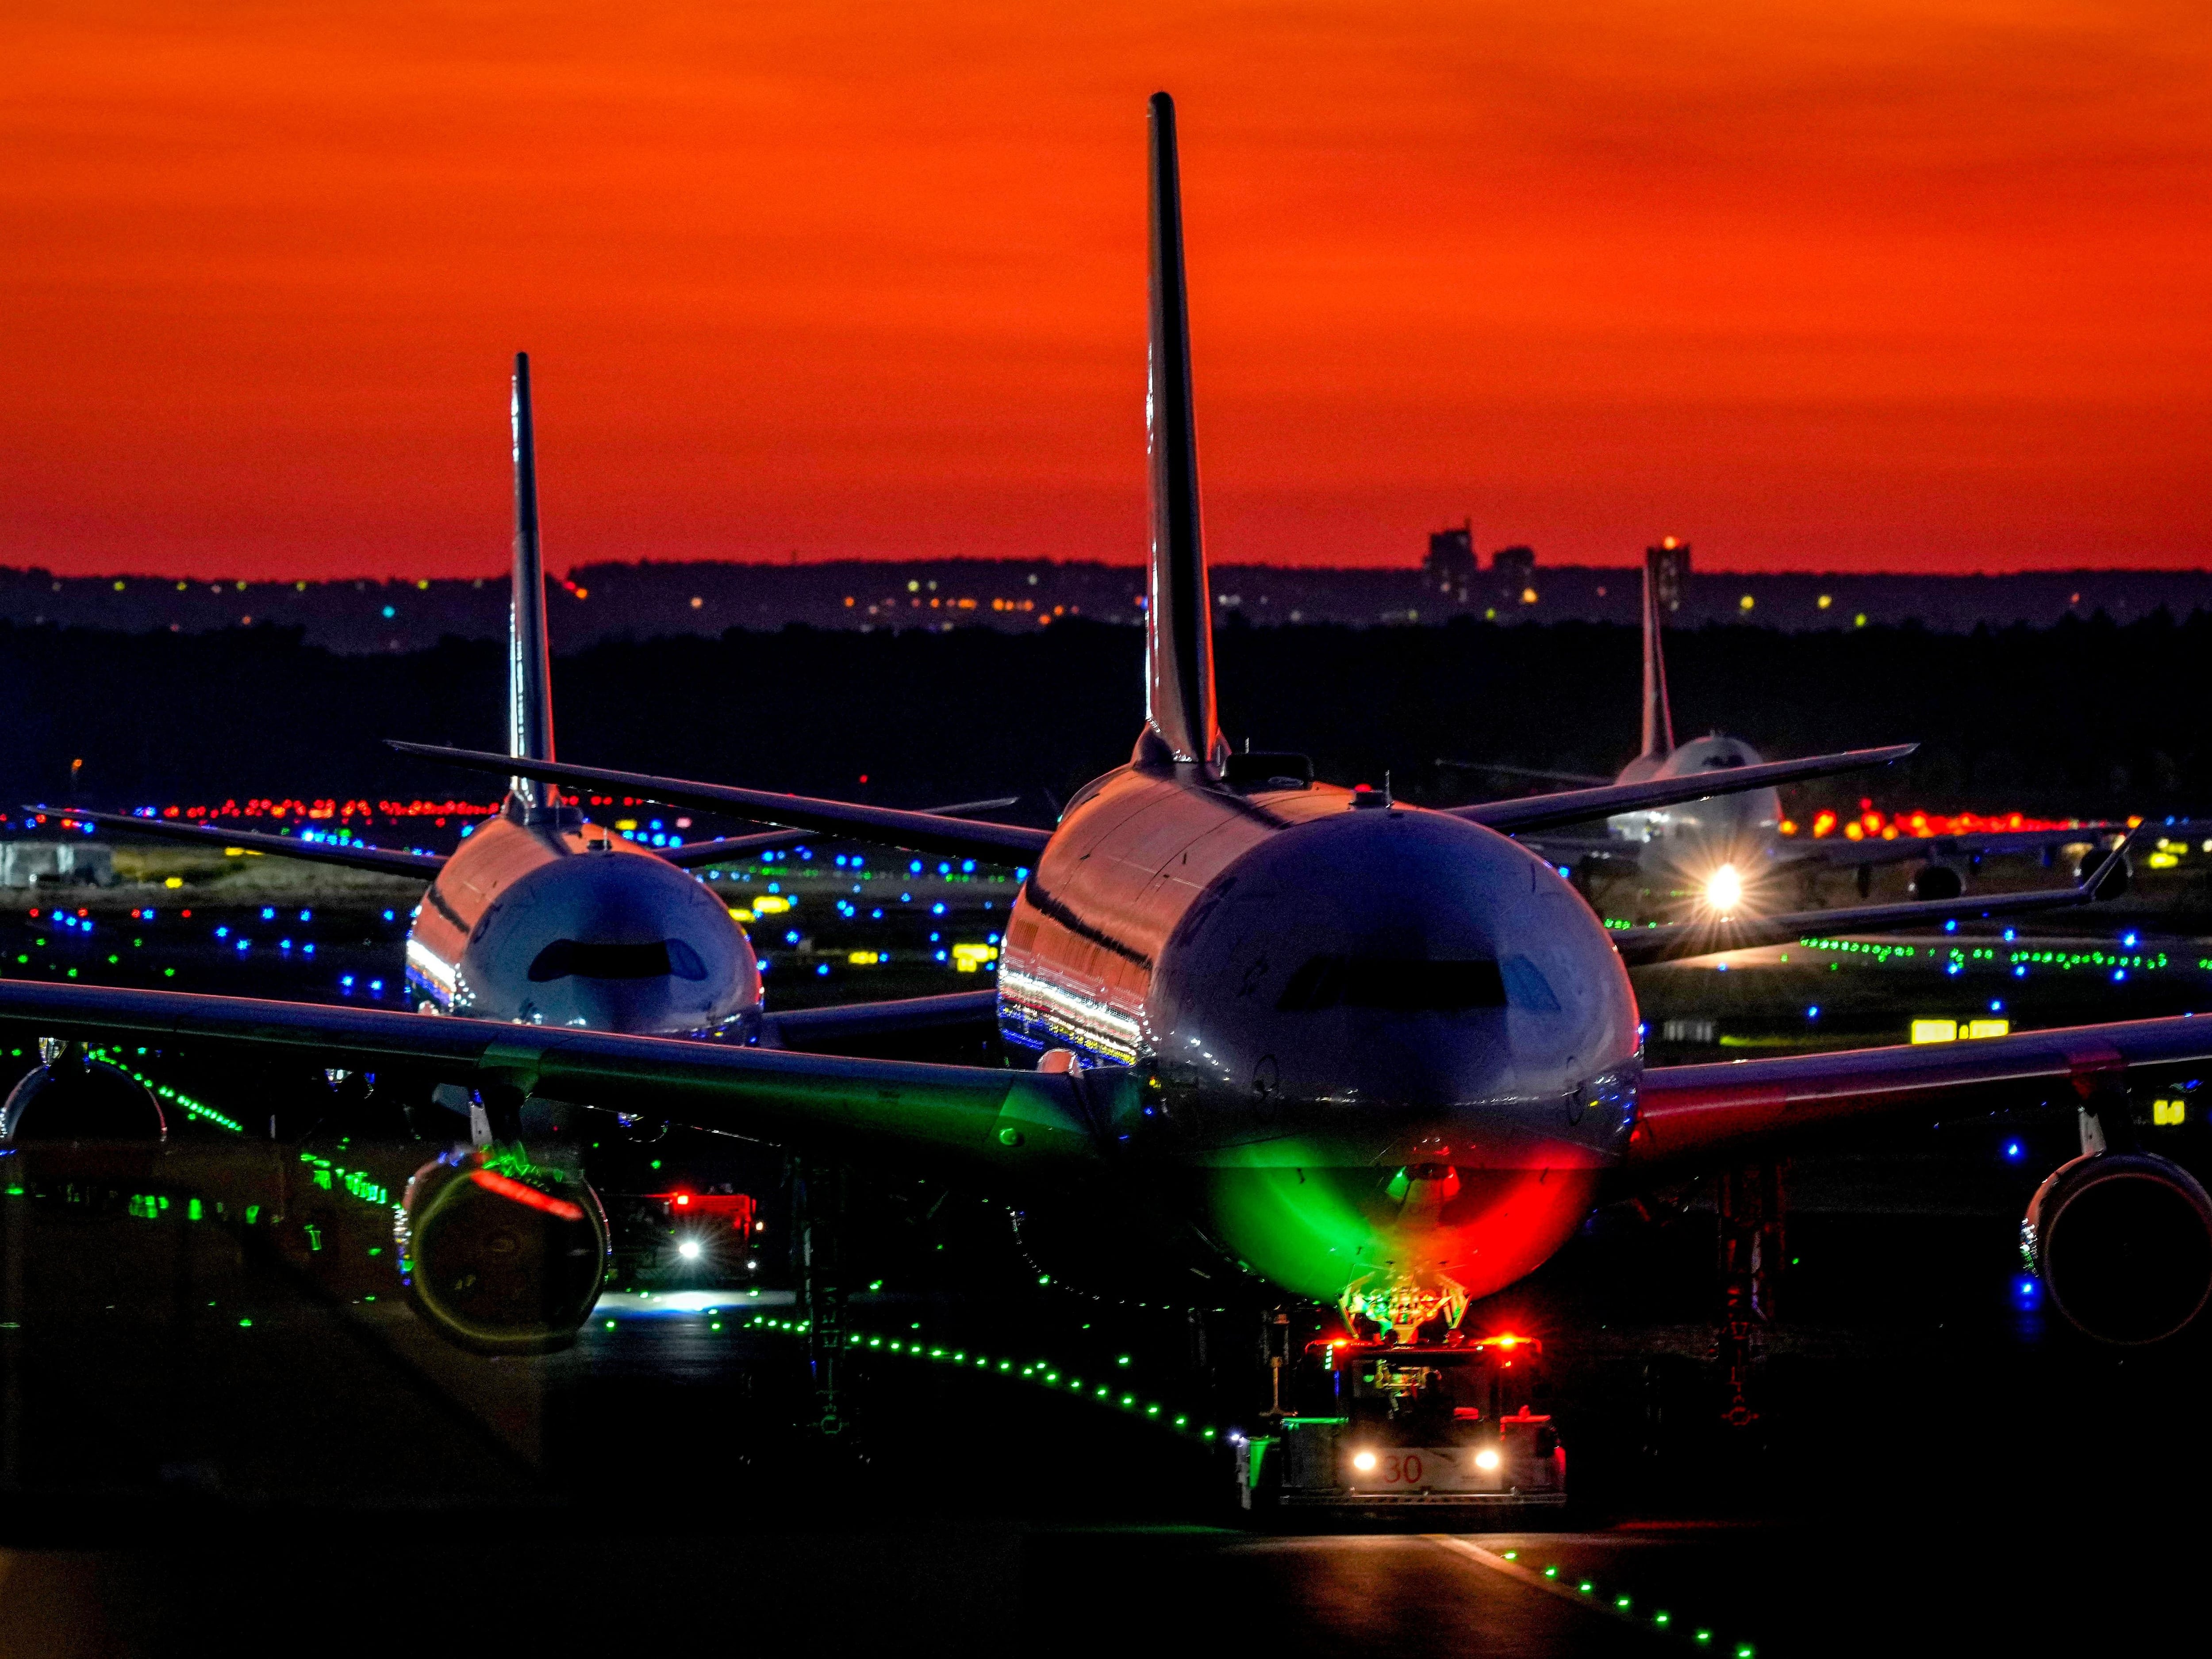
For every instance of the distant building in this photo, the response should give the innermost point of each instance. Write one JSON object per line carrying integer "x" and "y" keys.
{"x": 1451, "y": 566}
{"x": 1669, "y": 566}
{"x": 1513, "y": 570}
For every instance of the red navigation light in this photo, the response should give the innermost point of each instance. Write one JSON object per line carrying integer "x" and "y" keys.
{"x": 492, "y": 1182}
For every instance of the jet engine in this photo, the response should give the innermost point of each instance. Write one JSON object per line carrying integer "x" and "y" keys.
{"x": 2113, "y": 885}
{"x": 1938, "y": 881}
{"x": 500, "y": 1254}
{"x": 72, "y": 1096}
{"x": 2122, "y": 1241}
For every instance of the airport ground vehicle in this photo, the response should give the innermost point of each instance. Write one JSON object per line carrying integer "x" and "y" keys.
{"x": 1452, "y": 1424}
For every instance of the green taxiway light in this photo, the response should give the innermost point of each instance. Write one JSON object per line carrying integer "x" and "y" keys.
{"x": 1743, "y": 1652}
{"x": 610, "y": 1324}
{"x": 1620, "y": 1601}
{"x": 1660, "y": 1618}
{"x": 1551, "y": 1572}
{"x": 1513, "y": 1555}
{"x": 1705, "y": 1636}
{"x": 1585, "y": 1587}
{"x": 245, "y": 1324}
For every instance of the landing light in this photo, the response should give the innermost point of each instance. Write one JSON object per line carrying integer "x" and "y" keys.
{"x": 1724, "y": 890}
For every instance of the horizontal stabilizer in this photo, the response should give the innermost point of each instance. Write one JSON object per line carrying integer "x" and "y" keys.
{"x": 724, "y": 848}
{"x": 820, "y": 1030}
{"x": 1643, "y": 946}
{"x": 416, "y": 866}
{"x": 922, "y": 832}
{"x": 1573, "y": 806}
{"x": 976, "y": 1120}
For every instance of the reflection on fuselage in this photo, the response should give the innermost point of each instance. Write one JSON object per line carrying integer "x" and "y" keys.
{"x": 541, "y": 918}
{"x": 1394, "y": 1050}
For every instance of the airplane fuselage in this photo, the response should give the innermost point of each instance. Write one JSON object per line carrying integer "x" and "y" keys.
{"x": 542, "y": 918}
{"x": 1695, "y": 837}
{"x": 1387, "y": 1053}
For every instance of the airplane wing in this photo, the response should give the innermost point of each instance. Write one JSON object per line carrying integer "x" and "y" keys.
{"x": 922, "y": 832}
{"x": 818, "y": 1031}
{"x": 1572, "y": 849}
{"x": 1642, "y": 946}
{"x": 1573, "y": 806}
{"x": 723, "y": 848}
{"x": 1536, "y": 774}
{"x": 1840, "y": 852}
{"x": 978, "y": 1118}
{"x": 1690, "y": 1112}
{"x": 416, "y": 866}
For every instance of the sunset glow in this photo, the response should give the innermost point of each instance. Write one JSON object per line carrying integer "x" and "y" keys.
{"x": 1859, "y": 285}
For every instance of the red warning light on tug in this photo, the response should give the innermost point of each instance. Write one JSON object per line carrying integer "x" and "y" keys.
{"x": 737, "y": 1209}
{"x": 1461, "y": 1423}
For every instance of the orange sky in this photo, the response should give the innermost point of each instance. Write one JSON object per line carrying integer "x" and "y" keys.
{"x": 1852, "y": 284}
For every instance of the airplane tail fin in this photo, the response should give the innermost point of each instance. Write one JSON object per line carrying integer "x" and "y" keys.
{"x": 529, "y": 667}
{"x": 1179, "y": 706}
{"x": 1658, "y": 719}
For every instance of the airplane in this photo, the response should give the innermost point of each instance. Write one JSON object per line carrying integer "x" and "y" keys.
{"x": 540, "y": 916}
{"x": 1309, "y": 1041}
{"x": 1724, "y": 845}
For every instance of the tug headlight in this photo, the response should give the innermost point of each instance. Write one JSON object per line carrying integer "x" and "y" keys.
{"x": 689, "y": 1250}
{"x": 1363, "y": 1462}
{"x": 1486, "y": 1459}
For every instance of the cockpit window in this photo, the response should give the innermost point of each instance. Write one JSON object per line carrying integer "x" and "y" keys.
{"x": 658, "y": 959}
{"x": 1414, "y": 985}
{"x": 1526, "y": 987}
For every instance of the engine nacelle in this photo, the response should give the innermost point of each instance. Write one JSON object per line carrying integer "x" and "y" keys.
{"x": 71, "y": 1097}
{"x": 2123, "y": 876}
{"x": 2123, "y": 1243}
{"x": 1934, "y": 882}
{"x": 500, "y": 1254}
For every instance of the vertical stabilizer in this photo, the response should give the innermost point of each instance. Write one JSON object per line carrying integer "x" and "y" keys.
{"x": 529, "y": 670}
{"x": 1658, "y": 720}
{"x": 1178, "y": 619}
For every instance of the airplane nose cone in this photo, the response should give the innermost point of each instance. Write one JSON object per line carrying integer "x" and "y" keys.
{"x": 1394, "y": 964}
{"x": 609, "y": 942}
{"x": 1410, "y": 1048}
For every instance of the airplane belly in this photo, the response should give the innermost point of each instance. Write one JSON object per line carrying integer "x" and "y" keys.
{"x": 1434, "y": 1241}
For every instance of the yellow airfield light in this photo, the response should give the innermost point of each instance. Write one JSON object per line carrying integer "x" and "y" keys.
{"x": 1952, "y": 1030}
